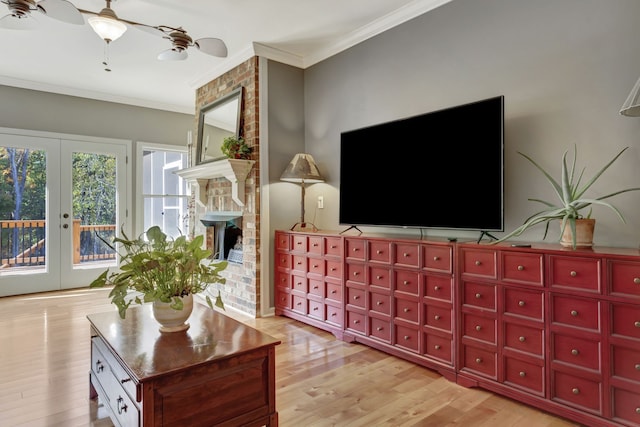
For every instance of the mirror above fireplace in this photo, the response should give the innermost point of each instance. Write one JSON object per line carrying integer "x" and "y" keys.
{"x": 217, "y": 121}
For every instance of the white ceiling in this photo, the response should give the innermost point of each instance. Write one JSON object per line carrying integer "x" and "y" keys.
{"x": 65, "y": 58}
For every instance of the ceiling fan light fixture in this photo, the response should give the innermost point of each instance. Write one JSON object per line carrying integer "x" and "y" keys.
{"x": 106, "y": 24}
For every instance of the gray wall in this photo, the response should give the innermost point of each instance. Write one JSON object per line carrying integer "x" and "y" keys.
{"x": 564, "y": 66}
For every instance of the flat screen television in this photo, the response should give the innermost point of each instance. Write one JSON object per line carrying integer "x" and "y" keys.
{"x": 441, "y": 170}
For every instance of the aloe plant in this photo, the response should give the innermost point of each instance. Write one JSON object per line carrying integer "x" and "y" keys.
{"x": 572, "y": 197}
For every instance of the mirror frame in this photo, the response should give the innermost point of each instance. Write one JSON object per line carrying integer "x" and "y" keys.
{"x": 236, "y": 94}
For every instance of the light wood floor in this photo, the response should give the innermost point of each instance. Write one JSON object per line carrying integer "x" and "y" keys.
{"x": 320, "y": 381}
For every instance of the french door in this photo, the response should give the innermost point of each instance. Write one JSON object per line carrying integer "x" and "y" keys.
{"x": 61, "y": 202}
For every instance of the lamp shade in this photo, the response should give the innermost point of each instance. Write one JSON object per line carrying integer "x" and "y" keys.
{"x": 631, "y": 106}
{"x": 106, "y": 25}
{"x": 302, "y": 169}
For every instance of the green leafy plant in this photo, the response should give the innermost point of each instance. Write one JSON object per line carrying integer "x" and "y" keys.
{"x": 571, "y": 195}
{"x": 159, "y": 268}
{"x": 235, "y": 148}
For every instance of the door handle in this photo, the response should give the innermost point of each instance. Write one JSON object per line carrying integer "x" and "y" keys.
{"x": 65, "y": 215}
{"x": 65, "y": 226}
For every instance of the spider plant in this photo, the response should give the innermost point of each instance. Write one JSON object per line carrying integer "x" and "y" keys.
{"x": 571, "y": 195}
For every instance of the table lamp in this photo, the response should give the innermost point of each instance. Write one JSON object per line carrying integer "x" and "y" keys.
{"x": 302, "y": 169}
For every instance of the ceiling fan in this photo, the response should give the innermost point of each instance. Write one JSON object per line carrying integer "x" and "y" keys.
{"x": 107, "y": 25}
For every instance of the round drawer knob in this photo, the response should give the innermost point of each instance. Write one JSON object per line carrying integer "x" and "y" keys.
{"x": 406, "y": 255}
{"x": 478, "y": 360}
{"x": 522, "y": 339}
{"x": 378, "y": 302}
{"x": 575, "y": 391}
{"x": 523, "y": 374}
{"x": 406, "y": 282}
{"x": 355, "y": 273}
{"x": 436, "y": 258}
{"x": 478, "y": 327}
{"x": 406, "y": 337}
{"x": 636, "y": 280}
{"x": 315, "y": 265}
{"x": 520, "y": 267}
{"x": 437, "y": 347}
{"x": 379, "y": 328}
{"x": 573, "y": 274}
{"x": 355, "y": 297}
{"x": 436, "y": 288}
{"x": 378, "y": 252}
{"x": 436, "y": 317}
{"x": 378, "y": 277}
{"x": 333, "y": 291}
{"x": 574, "y": 313}
{"x": 478, "y": 263}
{"x": 355, "y": 249}
{"x": 638, "y": 367}
{"x": 521, "y": 303}
{"x": 406, "y": 310}
{"x": 575, "y": 352}
{"x": 355, "y": 322}
{"x": 637, "y": 324}
{"x": 637, "y": 410}
{"x": 478, "y": 295}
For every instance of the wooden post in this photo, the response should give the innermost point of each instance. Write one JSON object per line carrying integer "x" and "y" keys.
{"x": 76, "y": 241}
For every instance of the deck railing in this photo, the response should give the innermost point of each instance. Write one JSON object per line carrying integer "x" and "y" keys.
{"x": 23, "y": 243}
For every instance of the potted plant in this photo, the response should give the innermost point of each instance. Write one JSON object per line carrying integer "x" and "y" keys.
{"x": 161, "y": 270}
{"x": 572, "y": 201}
{"x": 236, "y": 148}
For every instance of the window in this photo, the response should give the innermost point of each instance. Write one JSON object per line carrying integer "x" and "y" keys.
{"x": 164, "y": 194}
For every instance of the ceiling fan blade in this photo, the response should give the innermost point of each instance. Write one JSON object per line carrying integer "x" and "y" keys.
{"x": 62, "y": 10}
{"x": 13, "y": 22}
{"x": 173, "y": 55}
{"x": 150, "y": 30}
{"x": 211, "y": 46}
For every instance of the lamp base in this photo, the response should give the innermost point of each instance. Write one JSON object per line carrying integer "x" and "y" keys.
{"x": 304, "y": 226}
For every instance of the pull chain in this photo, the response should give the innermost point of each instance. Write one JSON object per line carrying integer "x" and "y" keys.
{"x": 106, "y": 56}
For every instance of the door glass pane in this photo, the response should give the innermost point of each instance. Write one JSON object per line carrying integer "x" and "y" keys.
{"x": 23, "y": 185}
{"x": 94, "y": 208}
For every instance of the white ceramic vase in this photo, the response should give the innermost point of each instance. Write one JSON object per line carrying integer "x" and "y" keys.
{"x": 172, "y": 320}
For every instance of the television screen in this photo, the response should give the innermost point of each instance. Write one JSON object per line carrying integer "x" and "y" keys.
{"x": 443, "y": 169}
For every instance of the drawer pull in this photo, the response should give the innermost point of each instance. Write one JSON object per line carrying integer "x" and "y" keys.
{"x": 355, "y": 273}
{"x": 520, "y": 267}
{"x": 436, "y": 288}
{"x": 298, "y": 243}
{"x": 315, "y": 287}
{"x": 573, "y": 274}
{"x": 355, "y": 322}
{"x": 436, "y": 317}
{"x": 406, "y": 282}
{"x": 379, "y": 252}
{"x": 478, "y": 328}
{"x": 574, "y": 313}
{"x": 125, "y": 380}
{"x": 637, "y": 324}
{"x": 575, "y": 390}
{"x": 379, "y": 328}
{"x": 575, "y": 352}
{"x": 636, "y": 280}
{"x": 478, "y": 360}
{"x": 122, "y": 407}
{"x": 478, "y": 263}
{"x": 333, "y": 291}
{"x": 437, "y": 347}
{"x": 355, "y": 249}
{"x": 315, "y": 265}
{"x": 356, "y": 297}
{"x": 522, "y": 339}
{"x": 406, "y": 310}
{"x": 478, "y": 295}
{"x": 284, "y": 261}
{"x": 406, "y": 255}
{"x": 378, "y": 277}
{"x": 638, "y": 367}
{"x": 99, "y": 366}
{"x": 406, "y": 337}
{"x": 378, "y": 302}
{"x": 638, "y": 410}
{"x": 332, "y": 269}
{"x": 334, "y": 314}
{"x": 333, "y": 246}
{"x": 299, "y": 262}
{"x": 521, "y": 303}
{"x": 315, "y": 308}
{"x": 523, "y": 374}
{"x": 436, "y": 258}
{"x": 299, "y": 303}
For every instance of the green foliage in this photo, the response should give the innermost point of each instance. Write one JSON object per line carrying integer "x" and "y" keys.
{"x": 236, "y": 148}
{"x": 94, "y": 188}
{"x": 570, "y": 193}
{"x": 159, "y": 268}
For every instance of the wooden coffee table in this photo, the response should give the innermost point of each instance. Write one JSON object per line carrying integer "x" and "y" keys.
{"x": 218, "y": 372}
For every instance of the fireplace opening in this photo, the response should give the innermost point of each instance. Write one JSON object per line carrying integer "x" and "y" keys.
{"x": 227, "y": 234}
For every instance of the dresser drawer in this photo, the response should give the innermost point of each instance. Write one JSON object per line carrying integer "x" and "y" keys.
{"x": 283, "y": 280}
{"x": 299, "y": 263}
{"x": 380, "y": 303}
{"x": 625, "y": 278}
{"x": 479, "y": 360}
{"x": 477, "y": 262}
{"x": 407, "y": 254}
{"x": 407, "y": 310}
{"x": 626, "y": 320}
{"x": 299, "y": 284}
{"x": 407, "y": 338}
{"x": 438, "y": 317}
{"x": 316, "y": 310}
{"x": 576, "y": 391}
{"x": 407, "y": 282}
{"x": 299, "y": 304}
{"x": 479, "y": 295}
{"x": 316, "y": 287}
{"x": 523, "y": 268}
{"x": 576, "y": 351}
{"x": 581, "y": 274}
{"x": 283, "y": 300}
{"x": 625, "y": 363}
{"x": 316, "y": 266}
{"x": 334, "y": 315}
{"x": 334, "y": 292}
{"x": 356, "y": 297}
{"x": 333, "y": 246}
{"x": 299, "y": 243}
{"x": 575, "y": 312}
{"x": 626, "y": 406}
{"x": 283, "y": 241}
{"x": 355, "y": 321}
{"x": 315, "y": 245}
{"x": 438, "y": 347}
{"x": 121, "y": 376}
{"x": 283, "y": 260}
{"x": 355, "y": 249}
{"x": 524, "y": 338}
{"x": 437, "y": 258}
{"x": 437, "y": 287}
{"x": 380, "y": 329}
{"x": 334, "y": 269}
{"x": 355, "y": 273}
{"x": 523, "y": 303}
{"x": 525, "y": 375}
{"x": 479, "y": 328}
{"x": 380, "y": 277}
{"x": 380, "y": 251}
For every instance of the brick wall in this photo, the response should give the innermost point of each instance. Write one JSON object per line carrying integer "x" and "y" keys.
{"x": 242, "y": 290}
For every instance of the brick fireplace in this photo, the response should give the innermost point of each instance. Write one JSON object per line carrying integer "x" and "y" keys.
{"x": 212, "y": 188}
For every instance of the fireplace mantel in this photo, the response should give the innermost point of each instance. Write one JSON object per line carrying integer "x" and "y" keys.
{"x": 234, "y": 170}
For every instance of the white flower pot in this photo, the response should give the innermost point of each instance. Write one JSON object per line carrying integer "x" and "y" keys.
{"x": 172, "y": 320}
